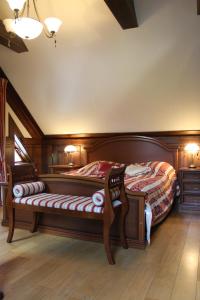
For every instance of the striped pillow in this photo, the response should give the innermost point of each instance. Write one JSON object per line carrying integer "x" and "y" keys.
{"x": 99, "y": 197}
{"x": 29, "y": 188}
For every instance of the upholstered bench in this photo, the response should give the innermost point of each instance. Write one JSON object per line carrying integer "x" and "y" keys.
{"x": 66, "y": 202}
{"x": 26, "y": 192}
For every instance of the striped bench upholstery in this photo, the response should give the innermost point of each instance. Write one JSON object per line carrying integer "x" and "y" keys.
{"x": 67, "y": 202}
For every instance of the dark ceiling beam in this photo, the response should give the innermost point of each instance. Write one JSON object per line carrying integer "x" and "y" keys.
{"x": 124, "y": 12}
{"x": 21, "y": 110}
{"x": 15, "y": 43}
{"x": 198, "y": 7}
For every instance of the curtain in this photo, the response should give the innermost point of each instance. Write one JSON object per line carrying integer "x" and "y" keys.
{"x": 3, "y": 85}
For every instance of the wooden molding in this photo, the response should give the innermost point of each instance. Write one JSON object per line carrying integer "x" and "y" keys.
{"x": 21, "y": 110}
{"x": 113, "y": 134}
{"x": 13, "y": 129}
{"x": 15, "y": 43}
{"x": 198, "y": 7}
{"x": 124, "y": 12}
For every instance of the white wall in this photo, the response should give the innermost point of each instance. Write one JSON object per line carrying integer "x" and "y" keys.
{"x": 103, "y": 79}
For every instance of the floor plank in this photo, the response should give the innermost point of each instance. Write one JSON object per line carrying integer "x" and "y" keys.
{"x": 40, "y": 266}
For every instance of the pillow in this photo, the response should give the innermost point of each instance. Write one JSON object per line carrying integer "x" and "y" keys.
{"x": 97, "y": 168}
{"x": 136, "y": 170}
{"x": 105, "y": 166}
{"x": 99, "y": 197}
{"x": 27, "y": 189}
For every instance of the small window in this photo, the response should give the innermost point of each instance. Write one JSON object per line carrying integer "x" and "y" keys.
{"x": 20, "y": 152}
{"x": 17, "y": 157}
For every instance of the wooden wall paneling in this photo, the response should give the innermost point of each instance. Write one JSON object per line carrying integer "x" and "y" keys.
{"x": 53, "y": 152}
{"x": 54, "y": 143}
{"x": 34, "y": 148}
{"x": 9, "y": 151}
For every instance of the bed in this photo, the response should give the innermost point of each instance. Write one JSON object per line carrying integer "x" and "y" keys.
{"x": 121, "y": 149}
{"x": 154, "y": 178}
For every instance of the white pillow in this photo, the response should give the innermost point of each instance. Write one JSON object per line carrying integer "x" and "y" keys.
{"x": 136, "y": 170}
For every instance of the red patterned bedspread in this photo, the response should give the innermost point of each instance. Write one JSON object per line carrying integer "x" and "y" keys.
{"x": 158, "y": 184}
{"x": 157, "y": 181}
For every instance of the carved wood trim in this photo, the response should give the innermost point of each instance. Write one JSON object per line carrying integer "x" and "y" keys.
{"x": 13, "y": 129}
{"x": 113, "y": 134}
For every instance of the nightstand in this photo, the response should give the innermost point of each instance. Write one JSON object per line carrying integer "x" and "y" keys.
{"x": 57, "y": 169}
{"x": 189, "y": 180}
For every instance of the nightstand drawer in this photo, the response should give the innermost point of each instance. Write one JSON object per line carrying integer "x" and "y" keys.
{"x": 191, "y": 186}
{"x": 191, "y": 199}
{"x": 191, "y": 175}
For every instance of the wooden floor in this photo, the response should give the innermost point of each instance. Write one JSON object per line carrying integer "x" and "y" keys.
{"x": 41, "y": 266}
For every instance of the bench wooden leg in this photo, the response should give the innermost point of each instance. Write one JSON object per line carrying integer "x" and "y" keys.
{"x": 11, "y": 222}
{"x": 106, "y": 239}
{"x": 34, "y": 222}
{"x": 122, "y": 223}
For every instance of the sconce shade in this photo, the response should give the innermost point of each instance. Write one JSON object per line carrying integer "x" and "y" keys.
{"x": 70, "y": 149}
{"x": 53, "y": 24}
{"x": 192, "y": 148}
{"x": 16, "y": 4}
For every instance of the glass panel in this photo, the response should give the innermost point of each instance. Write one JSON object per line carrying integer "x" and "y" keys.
{"x": 17, "y": 157}
{"x": 20, "y": 150}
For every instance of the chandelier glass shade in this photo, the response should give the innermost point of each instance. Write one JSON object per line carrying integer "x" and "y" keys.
{"x": 52, "y": 24}
{"x": 27, "y": 27}
{"x": 16, "y": 5}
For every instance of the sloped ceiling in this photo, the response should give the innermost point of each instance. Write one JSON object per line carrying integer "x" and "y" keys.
{"x": 103, "y": 79}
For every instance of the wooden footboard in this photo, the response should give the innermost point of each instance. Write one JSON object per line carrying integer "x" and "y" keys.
{"x": 85, "y": 229}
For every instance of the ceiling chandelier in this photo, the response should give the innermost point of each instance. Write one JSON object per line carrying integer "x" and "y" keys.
{"x": 27, "y": 27}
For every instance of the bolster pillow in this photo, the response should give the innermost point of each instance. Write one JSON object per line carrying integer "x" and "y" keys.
{"x": 99, "y": 197}
{"x": 29, "y": 188}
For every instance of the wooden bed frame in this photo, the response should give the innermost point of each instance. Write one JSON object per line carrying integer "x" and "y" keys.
{"x": 124, "y": 149}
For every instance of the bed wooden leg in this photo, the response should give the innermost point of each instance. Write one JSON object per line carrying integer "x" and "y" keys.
{"x": 107, "y": 245}
{"x": 122, "y": 224}
{"x": 11, "y": 221}
{"x": 34, "y": 222}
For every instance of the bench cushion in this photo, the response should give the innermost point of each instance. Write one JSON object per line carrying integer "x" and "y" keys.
{"x": 99, "y": 197}
{"x": 29, "y": 188}
{"x": 68, "y": 202}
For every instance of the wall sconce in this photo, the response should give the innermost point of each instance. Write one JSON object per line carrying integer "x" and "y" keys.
{"x": 193, "y": 149}
{"x": 70, "y": 149}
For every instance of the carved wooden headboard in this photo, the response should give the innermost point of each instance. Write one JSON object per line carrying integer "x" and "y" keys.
{"x": 132, "y": 149}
